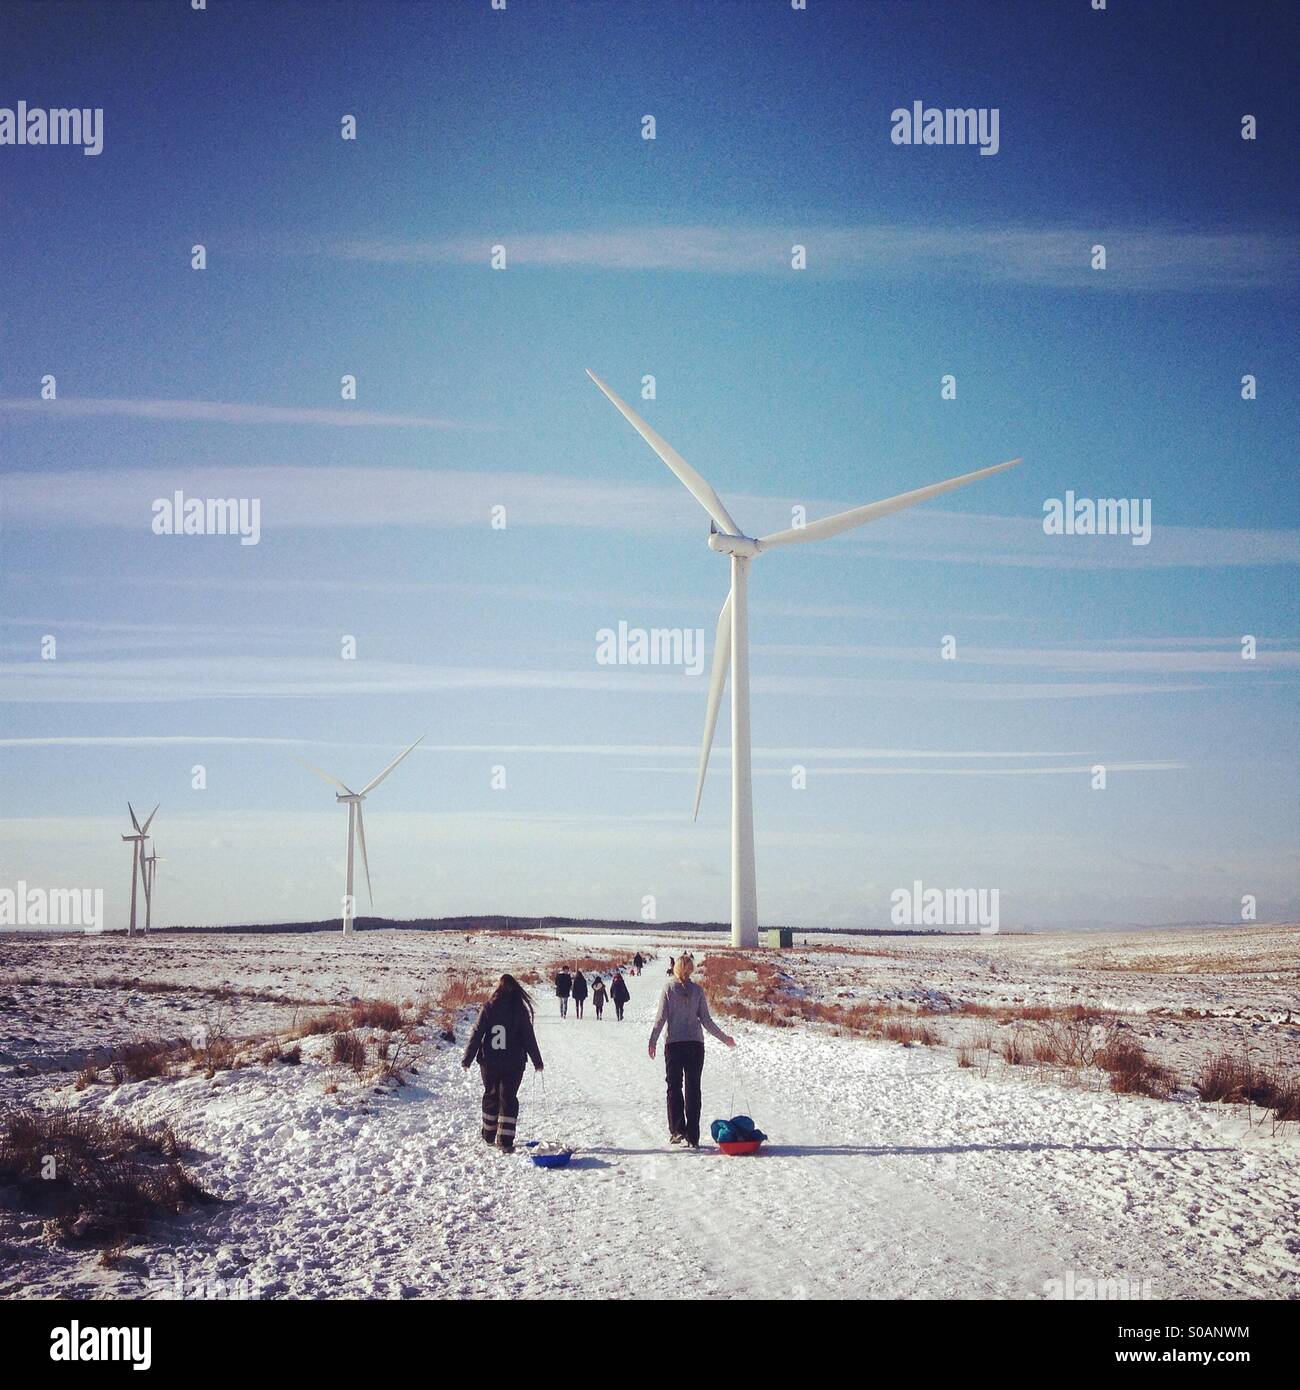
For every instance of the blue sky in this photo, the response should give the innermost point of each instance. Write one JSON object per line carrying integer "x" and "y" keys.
{"x": 818, "y": 387}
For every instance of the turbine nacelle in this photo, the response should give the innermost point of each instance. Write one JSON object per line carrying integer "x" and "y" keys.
{"x": 356, "y": 797}
{"x": 744, "y": 546}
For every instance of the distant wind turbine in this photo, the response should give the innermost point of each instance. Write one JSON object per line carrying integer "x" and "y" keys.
{"x": 137, "y": 857}
{"x": 149, "y": 863}
{"x": 732, "y": 640}
{"x": 356, "y": 826}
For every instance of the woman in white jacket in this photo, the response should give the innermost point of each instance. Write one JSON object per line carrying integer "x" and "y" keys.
{"x": 684, "y": 1011}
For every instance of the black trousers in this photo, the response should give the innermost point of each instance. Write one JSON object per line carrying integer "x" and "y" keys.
{"x": 501, "y": 1100}
{"x": 618, "y": 1009}
{"x": 683, "y": 1063}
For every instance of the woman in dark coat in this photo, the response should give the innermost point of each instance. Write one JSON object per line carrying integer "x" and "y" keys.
{"x": 502, "y": 1042}
{"x": 618, "y": 993}
{"x": 637, "y": 963}
{"x": 563, "y": 984}
{"x": 579, "y": 992}
{"x": 598, "y": 996}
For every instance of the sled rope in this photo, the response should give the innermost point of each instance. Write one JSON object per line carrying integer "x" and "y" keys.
{"x": 744, "y": 1096}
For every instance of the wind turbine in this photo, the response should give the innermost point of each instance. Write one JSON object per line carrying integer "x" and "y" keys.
{"x": 149, "y": 863}
{"x": 356, "y": 826}
{"x": 732, "y": 640}
{"x": 137, "y": 857}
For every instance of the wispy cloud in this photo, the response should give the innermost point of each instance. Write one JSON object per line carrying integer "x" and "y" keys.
{"x": 1075, "y": 769}
{"x": 339, "y": 496}
{"x": 1162, "y": 660}
{"x": 227, "y": 413}
{"x": 1146, "y": 258}
{"x": 161, "y": 681}
{"x": 567, "y": 750}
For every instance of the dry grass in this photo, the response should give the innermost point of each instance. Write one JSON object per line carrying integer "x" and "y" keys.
{"x": 135, "y": 985}
{"x": 1241, "y": 1080}
{"x": 99, "y": 1180}
{"x": 1132, "y": 1072}
{"x": 377, "y": 1013}
{"x": 461, "y": 990}
{"x": 906, "y": 1030}
{"x": 144, "y": 1059}
{"x": 1015, "y": 1049}
{"x": 383, "y": 1014}
{"x": 349, "y": 1050}
{"x": 739, "y": 986}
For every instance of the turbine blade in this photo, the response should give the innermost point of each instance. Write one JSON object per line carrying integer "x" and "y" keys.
{"x": 857, "y": 516}
{"x": 134, "y": 822}
{"x": 375, "y": 781}
{"x": 144, "y": 829}
{"x": 327, "y": 777}
{"x": 717, "y": 683}
{"x": 695, "y": 485}
{"x": 365, "y": 863}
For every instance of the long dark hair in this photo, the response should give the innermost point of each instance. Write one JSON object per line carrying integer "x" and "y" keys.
{"x": 510, "y": 991}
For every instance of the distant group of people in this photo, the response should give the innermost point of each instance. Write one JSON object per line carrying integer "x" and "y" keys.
{"x": 504, "y": 1041}
{"x": 574, "y": 986}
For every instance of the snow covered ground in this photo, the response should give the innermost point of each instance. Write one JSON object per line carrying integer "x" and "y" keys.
{"x": 890, "y": 1172}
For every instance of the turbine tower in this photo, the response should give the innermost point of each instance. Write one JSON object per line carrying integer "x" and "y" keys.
{"x": 731, "y": 645}
{"x": 137, "y": 858}
{"x": 356, "y": 826}
{"x": 149, "y": 864}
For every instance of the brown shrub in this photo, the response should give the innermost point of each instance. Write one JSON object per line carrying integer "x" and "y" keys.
{"x": 377, "y": 1013}
{"x": 907, "y": 1030}
{"x": 1239, "y": 1080}
{"x": 1013, "y": 1049}
{"x": 349, "y": 1050}
{"x": 143, "y": 1060}
{"x": 331, "y": 1022}
{"x": 110, "y": 1176}
{"x": 1132, "y": 1072}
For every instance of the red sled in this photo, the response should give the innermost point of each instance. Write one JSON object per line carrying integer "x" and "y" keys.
{"x": 737, "y": 1147}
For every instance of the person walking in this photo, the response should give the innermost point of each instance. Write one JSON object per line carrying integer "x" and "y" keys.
{"x": 637, "y": 963}
{"x": 579, "y": 992}
{"x": 502, "y": 1042}
{"x": 619, "y": 994}
{"x": 684, "y": 1011}
{"x": 563, "y": 985}
{"x": 598, "y": 996}
{"x": 672, "y": 966}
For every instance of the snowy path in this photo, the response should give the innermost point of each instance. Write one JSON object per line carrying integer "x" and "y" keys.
{"x": 812, "y": 1217}
{"x": 890, "y": 1173}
